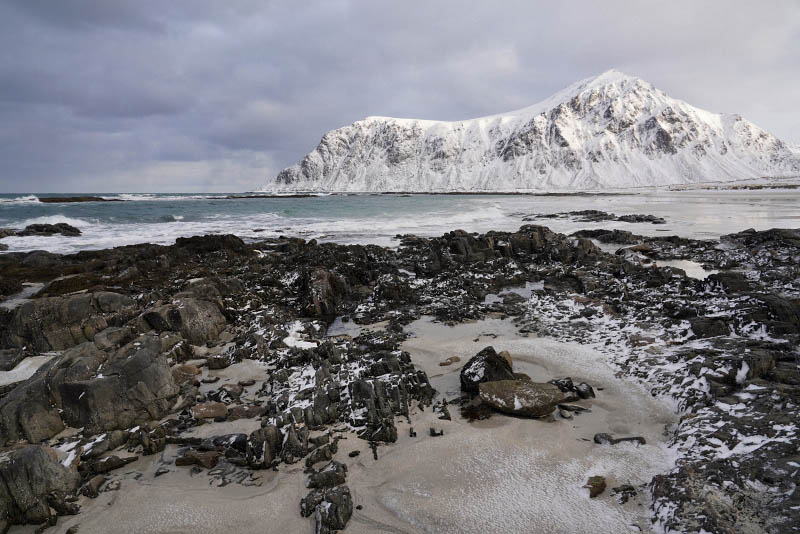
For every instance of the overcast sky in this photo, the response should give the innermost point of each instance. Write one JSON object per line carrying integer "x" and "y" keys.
{"x": 209, "y": 95}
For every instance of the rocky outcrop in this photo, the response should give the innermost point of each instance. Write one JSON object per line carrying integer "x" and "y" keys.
{"x": 324, "y": 291}
{"x": 486, "y": 366}
{"x": 198, "y": 321}
{"x": 49, "y": 229}
{"x": 71, "y": 200}
{"x": 33, "y": 486}
{"x": 89, "y": 388}
{"x": 57, "y": 323}
{"x": 332, "y": 507}
{"x": 522, "y": 397}
{"x": 9, "y": 358}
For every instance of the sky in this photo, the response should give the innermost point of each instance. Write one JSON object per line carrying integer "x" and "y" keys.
{"x": 203, "y": 95}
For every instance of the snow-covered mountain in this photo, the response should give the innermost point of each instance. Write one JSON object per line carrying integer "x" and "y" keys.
{"x": 610, "y": 131}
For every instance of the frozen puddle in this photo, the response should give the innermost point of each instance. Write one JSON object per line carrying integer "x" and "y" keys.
{"x": 508, "y": 474}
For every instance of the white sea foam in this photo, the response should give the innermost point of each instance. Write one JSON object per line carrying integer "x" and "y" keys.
{"x": 27, "y": 199}
{"x": 55, "y": 219}
{"x": 378, "y": 219}
{"x": 152, "y": 197}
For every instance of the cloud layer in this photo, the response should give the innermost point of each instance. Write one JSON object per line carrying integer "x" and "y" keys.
{"x": 201, "y": 95}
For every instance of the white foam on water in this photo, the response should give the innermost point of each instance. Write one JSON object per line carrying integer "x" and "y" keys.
{"x": 378, "y": 219}
{"x": 56, "y": 219}
{"x": 27, "y": 199}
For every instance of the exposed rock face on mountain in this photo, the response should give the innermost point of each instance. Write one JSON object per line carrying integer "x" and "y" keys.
{"x": 611, "y": 131}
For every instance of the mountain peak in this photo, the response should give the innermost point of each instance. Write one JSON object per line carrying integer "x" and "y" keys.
{"x": 611, "y": 77}
{"x": 612, "y": 130}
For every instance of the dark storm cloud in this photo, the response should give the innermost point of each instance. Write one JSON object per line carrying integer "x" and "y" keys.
{"x": 201, "y": 94}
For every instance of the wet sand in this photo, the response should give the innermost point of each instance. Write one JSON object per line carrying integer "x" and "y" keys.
{"x": 503, "y": 474}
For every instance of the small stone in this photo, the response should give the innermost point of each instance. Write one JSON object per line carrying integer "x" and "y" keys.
{"x": 596, "y": 486}
{"x": 92, "y": 488}
{"x": 209, "y": 410}
{"x": 624, "y": 493}
{"x": 353, "y": 454}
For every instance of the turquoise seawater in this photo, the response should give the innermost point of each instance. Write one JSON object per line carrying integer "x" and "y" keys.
{"x": 161, "y": 218}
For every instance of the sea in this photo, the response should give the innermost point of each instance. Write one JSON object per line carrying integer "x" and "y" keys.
{"x": 381, "y": 218}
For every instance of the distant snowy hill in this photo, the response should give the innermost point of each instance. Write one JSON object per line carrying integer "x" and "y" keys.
{"x": 607, "y": 132}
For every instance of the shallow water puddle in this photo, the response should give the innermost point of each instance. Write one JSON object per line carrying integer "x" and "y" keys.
{"x": 523, "y": 291}
{"x": 692, "y": 268}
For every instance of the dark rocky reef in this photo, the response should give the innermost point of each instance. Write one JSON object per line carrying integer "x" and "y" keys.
{"x": 138, "y": 324}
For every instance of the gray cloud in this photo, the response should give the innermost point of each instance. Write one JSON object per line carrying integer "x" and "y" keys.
{"x": 206, "y": 95}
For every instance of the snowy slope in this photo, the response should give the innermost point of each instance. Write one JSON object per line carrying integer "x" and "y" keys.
{"x": 610, "y": 131}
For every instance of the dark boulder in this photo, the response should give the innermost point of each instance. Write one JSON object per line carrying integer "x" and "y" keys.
{"x": 9, "y": 358}
{"x": 333, "y": 508}
{"x": 203, "y": 244}
{"x": 582, "y": 390}
{"x": 263, "y": 446}
{"x": 486, "y": 366}
{"x": 49, "y": 229}
{"x": 207, "y": 459}
{"x": 295, "y": 444}
{"x": 198, "y": 321}
{"x": 704, "y": 327}
{"x": 33, "y": 484}
{"x": 521, "y": 397}
{"x": 57, "y": 323}
{"x": 331, "y": 475}
{"x": 89, "y": 388}
{"x": 324, "y": 291}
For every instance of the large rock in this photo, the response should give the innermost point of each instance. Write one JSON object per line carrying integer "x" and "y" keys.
{"x": 33, "y": 484}
{"x": 57, "y": 323}
{"x": 324, "y": 291}
{"x": 709, "y": 327}
{"x": 198, "y": 321}
{"x": 263, "y": 446}
{"x": 9, "y": 358}
{"x": 89, "y": 388}
{"x": 521, "y": 397}
{"x": 204, "y": 244}
{"x": 332, "y": 507}
{"x": 486, "y": 366}
{"x": 331, "y": 475}
{"x": 50, "y": 229}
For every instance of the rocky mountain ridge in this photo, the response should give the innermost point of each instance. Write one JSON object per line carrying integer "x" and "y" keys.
{"x": 607, "y": 132}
